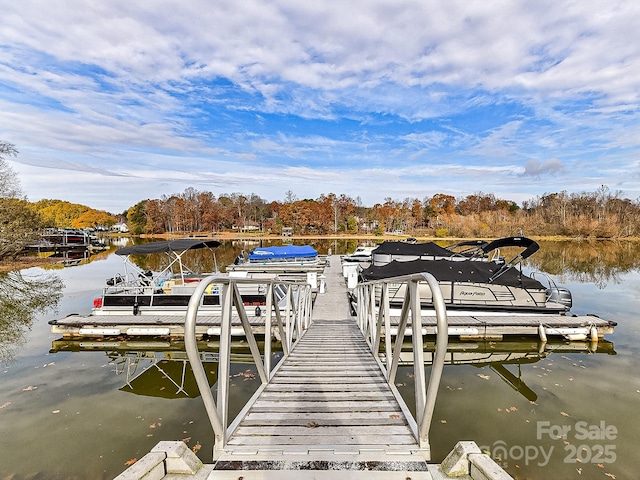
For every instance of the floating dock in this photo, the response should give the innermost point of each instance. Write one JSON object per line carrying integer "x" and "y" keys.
{"x": 465, "y": 327}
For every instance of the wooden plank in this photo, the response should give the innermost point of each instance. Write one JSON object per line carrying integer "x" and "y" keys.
{"x": 321, "y": 387}
{"x": 337, "y": 416}
{"x": 389, "y": 431}
{"x": 316, "y": 440}
{"x": 343, "y": 372}
{"x": 328, "y": 396}
{"x": 320, "y": 408}
{"x": 325, "y": 379}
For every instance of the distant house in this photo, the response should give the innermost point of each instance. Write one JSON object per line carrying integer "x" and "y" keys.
{"x": 249, "y": 228}
{"x": 287, "y": 231}
{"x": 120, "y": 228}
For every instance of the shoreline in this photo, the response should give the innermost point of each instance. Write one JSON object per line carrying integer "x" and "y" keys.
{"x": 24, "y": 262}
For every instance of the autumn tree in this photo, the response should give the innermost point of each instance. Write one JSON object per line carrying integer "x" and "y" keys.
{"x": 152, "y": 215}
{"x": 93, "y": 219}
{"x": 442, "y": 204}
{"x": 59, "y": 213}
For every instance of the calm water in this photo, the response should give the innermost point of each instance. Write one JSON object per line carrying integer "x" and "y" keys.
{"x": 86, "y": 409}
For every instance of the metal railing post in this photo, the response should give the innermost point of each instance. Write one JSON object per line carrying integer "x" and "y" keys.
{"x": 425, "y": 394}
{"x": 224, "y": 354}
{"x": 442, "y": 340}
{"x": 267, "y": 332}
{"x": 420, "y": 383}
{"x": 191, "y": 348}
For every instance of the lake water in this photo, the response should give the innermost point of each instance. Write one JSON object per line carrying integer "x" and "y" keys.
{"x": 79, "y": 410}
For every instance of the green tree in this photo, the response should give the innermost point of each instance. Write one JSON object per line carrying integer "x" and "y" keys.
{"x": 19, "y": 226}
{"x": 136, "y": 219}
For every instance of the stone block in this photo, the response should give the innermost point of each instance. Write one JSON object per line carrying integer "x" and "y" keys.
{"x": 179, "y": 458}
{"x": 457, "y": 462}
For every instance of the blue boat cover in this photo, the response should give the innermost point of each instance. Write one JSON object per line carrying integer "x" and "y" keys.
{"x": 282, "y": 253}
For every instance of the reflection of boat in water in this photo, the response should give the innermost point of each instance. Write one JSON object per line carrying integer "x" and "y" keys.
{"x": 477, "y": 280}
{"x": 161, "y": 368}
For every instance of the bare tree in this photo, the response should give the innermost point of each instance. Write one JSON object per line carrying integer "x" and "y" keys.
{"x": 9, "y": 183}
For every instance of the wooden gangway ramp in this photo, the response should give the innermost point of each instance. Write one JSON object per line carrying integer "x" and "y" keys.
{"x": 328, "y": 407}
{"x": 325, "y": 412}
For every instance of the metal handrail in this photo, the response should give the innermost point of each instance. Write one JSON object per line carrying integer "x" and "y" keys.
{"x": 373, "y": 318}
{"x": 290, "y": 324}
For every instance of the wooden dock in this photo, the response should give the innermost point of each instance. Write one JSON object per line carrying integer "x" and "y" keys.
{"x": 329, "y": 404}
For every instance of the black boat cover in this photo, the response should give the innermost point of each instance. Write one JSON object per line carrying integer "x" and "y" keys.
{"x": 453, "y": 271}
{"x": 530, "y": 246}
{"x": 417, "y": 249}
{"x": 165, "y": 246}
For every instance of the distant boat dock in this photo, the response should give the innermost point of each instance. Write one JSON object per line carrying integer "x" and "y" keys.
{"x": 64, "y": 240}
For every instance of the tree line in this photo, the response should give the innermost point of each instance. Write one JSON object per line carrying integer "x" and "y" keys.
{"x": 599, "y": 214}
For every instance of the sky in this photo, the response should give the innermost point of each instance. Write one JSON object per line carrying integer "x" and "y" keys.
{"x": 111, "y": 103}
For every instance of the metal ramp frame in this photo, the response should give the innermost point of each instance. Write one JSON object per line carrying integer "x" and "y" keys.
{"x": 330, "y": 403}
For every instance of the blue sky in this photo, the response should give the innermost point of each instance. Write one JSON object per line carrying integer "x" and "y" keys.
{"x": 110, "y": 103}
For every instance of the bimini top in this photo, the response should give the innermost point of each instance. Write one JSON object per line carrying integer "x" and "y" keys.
{"x": 165, "y": 246}
{"x": 417, "y": 249}
{"x": 266, "y": 254}
{"x": 448, "y": 271}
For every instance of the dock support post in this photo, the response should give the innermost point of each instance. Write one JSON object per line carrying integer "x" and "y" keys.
{"x": 542, "y": 332}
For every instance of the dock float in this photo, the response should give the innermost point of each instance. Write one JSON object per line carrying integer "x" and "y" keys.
{"x": 488, "y": 326}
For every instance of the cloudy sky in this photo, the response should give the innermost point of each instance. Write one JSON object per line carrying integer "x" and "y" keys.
{"x": 110, "y": 103}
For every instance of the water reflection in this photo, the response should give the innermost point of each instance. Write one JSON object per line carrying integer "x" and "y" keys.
{"x": 161, "y": 369}
{"x": 597, "y": 262}
{"x": 505, "y": 358}
{"x": 22, "y": 298}
{"x": 74, "y": 258}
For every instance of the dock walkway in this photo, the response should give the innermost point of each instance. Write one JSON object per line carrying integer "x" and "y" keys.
{"x": 329, "y": 399}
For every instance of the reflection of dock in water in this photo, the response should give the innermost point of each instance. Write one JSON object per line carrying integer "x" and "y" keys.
{"x": 156, "y": 368}
{"x": 503, "y": 357}
{"x": 161, "y": 368}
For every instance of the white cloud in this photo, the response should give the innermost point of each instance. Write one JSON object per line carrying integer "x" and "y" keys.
{"x": 368, "y": 97}
{"x": 535, "y": 168}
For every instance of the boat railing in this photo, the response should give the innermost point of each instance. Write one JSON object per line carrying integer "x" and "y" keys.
{"x": 374, "y": 319}
{"x": 287, "y": 322}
